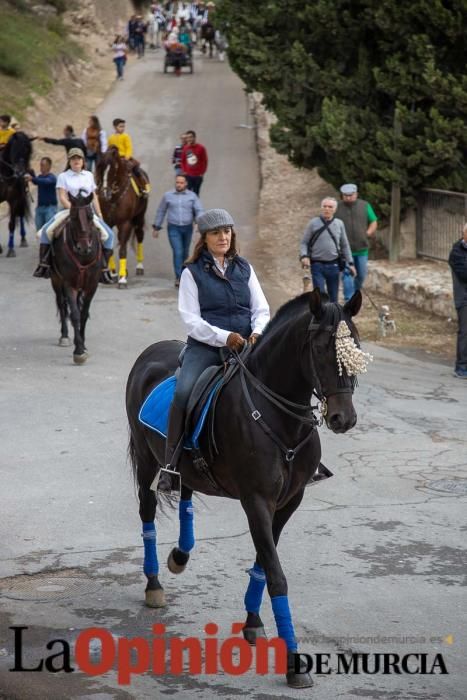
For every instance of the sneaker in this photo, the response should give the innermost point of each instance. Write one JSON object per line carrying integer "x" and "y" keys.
{"x": 460, "y": 373}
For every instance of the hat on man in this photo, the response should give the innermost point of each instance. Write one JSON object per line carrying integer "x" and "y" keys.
{"x": 214, "y": 218}
{"x": 349, "y": 188}
{"x": 74, "y": 152}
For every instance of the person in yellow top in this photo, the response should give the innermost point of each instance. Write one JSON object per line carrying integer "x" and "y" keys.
{"x": 6, "y": 131}
{"x": 121, "y": 140}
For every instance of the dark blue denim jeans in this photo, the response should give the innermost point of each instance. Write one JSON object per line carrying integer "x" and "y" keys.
{"x": 326, "y": 277}
{"x": 351, "y": 284}
{"x": 180, "y": 239}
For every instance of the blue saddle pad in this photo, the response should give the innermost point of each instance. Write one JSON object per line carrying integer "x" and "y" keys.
{"x": 154, "y": 412}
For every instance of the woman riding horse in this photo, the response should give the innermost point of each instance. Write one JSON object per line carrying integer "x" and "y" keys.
{"x": 222, "y": 304}
{"x": 75, "y": 181}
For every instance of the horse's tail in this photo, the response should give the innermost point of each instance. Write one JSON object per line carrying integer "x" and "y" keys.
{"x": 131, "y": 452}
{"x": 25, "y": 200}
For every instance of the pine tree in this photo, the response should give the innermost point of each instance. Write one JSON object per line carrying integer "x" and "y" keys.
{"x": 336, "y": 72}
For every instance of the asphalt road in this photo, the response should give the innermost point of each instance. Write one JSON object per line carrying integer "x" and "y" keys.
{"x": 375, "y": 557}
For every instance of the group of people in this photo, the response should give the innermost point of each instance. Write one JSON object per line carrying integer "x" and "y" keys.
{"x": 82, "y": 154}
{"x": 170, "y": 24}
{"x": 335, "y": 244}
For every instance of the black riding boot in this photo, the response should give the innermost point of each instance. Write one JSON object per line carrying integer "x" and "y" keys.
{"x": 43, "y": 269}
{"x": 173, "y": 446}
{"x": 106, "y": 276}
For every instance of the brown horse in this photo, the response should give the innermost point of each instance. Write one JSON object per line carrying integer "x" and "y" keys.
{"x": 122, "y": 206}
{"x": 75, "y": 271}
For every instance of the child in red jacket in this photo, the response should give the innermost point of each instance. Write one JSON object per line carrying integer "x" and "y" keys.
{"x": 194, "y": 162}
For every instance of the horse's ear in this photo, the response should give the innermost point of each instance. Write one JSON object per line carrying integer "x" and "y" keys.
{"x": 72, "y": 199}
{"x": 352, "y": 307}
{"x": 316, "y": 303}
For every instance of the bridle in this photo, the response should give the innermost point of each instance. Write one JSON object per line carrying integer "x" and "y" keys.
{"x": 72, "y": 250}
{"x": 283, "y": 404}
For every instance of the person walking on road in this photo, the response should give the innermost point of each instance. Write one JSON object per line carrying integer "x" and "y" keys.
{"x": 458, "y": 265}
{"x": 324, "y": 245}
{"x": 182, "y": 207}
{"x": 46, "y": 183}
{"x": 360, "y": 223}
{"x": 194, "y": 162}
{"x": 119, "y": 50}
{"x": 177, "y": 155}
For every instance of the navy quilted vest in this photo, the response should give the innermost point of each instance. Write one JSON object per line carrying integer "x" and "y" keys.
{"x": 224, "y": 300}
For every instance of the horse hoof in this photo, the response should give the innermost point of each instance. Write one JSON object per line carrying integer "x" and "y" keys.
{"x": 64, "y": 342}
{"x": 139, "y": 271}
{"x": 122, "y": 283}
{"x": 1, "y": 250}
{"x": 80, "y": 359}
{"x": 251, "y": 634}
{"x": 24, "y": 243}
{"x": 11, "y": 253}
{"x": 155, "y": 599}
{"x": 177, "y": 561}
{"x": 297, "y": 678}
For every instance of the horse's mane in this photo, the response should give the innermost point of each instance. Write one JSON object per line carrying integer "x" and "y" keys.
{"x": 287, "y": 312}
{"x": 331, "y": 314}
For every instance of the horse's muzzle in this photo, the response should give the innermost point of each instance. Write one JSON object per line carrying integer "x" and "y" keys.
{"x": 341, "y": 421}
{"x": 83, "y": 249}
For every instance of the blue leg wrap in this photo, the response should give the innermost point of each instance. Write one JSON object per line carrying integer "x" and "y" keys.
{"x": 186, "y": 540}
{"x": 22, "y": 227}
{"x": 11, "y": 239}
{"x": 285, "y": 630}
{"x": 151, "y": 565}
{"x": 254, "y": 593}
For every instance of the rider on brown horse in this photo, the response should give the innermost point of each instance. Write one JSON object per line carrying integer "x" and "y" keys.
{"x": 74, "y": 181}
{"x": 122, "y": 141}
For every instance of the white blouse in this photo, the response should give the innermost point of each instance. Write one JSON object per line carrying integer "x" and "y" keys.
{"x": 73, "y": 182}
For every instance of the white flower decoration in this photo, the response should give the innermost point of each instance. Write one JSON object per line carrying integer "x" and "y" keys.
{"x": 349, "y": 356}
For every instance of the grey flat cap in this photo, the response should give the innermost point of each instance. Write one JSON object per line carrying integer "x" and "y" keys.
{"x": 349, "y": 188}
{"x": 213, "y": 218}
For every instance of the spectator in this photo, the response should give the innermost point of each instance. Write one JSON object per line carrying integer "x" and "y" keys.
{"x": 458, "y": 265}
{"x": 46, "y": 183}
{"x": 69, "y": 140}
{"x": 95, "y": 140}
{"x": 119, "y": 49}
{"x": 177, "y": 155}
{"x": 324, "y": 242}
{"x": 182, "y": 208}
{"x": 360, "y": 223}
{"x": 139, "y": 31}
{"x": 194, "y": 162}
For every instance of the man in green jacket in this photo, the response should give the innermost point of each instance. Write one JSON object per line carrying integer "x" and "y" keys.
{"x": 360, "y": 223}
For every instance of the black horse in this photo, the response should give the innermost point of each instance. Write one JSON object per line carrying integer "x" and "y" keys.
{"x": 14, "y": 164}
{"x": 75, "y": 271}
{"x": 268, "y": 447}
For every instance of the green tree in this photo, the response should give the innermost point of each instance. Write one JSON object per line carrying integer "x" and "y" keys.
{"x": 334, "y": 72}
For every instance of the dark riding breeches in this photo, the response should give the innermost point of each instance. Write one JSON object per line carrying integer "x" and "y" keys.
{"x": 196, "y": 358}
